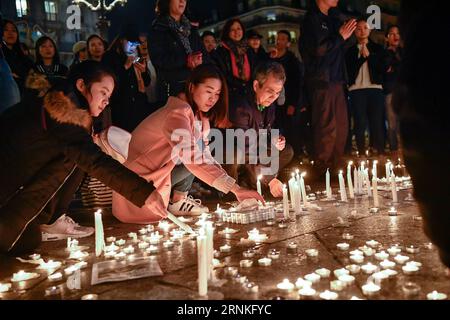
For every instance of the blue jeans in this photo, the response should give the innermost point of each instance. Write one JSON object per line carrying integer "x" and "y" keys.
{"x": 9, "y": 92}
{"x": 182, "y": 179}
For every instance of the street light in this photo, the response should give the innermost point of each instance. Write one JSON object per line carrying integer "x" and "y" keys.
{"x": 102, "y": 8}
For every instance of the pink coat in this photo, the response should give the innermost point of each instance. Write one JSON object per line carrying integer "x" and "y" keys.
{"x": 150, "y": 156}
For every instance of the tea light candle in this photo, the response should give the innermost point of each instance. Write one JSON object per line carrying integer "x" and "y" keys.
{"x": 337, "y": 285}
{"x": 150, "y": 228}
{"x": 401, "y": 259}
{"x": 307, "y": 292}
{"x": 436, "y": 296}
{"x": 301, "y": 283}
{"x": 392, "y": 212}
{"x": 312, "y": 277}
{"x": 110, "y": 254}
{"x": 353, "y": 269}
{"x": 228, "y": 231}
{"x": 164, "y": 225}
{"x": 111, "y": 247}
{"x": 270, "y": 222}
{"x": 152, "y": 249}
{"x": 368, "y": 252}
{"x": 246, "y": 263}
{"x": 282, "y": 225}
{"x": 5, "y": 287}
{"x": 35, "y": 257}
{"x": 248, "y": 254}
{"x": 340, "y": 272}
{"x": 129, "y": 250}
{"x": 143, "y": 231}
{"x": 49, "y": 266}
{"x": 413, "y": 249}
{"x": 369, "y": 268}
{"x": 274, "y": 254}
{"x": 415, "y": 263}
{"x": 393, "y": 251}
{"x": 251, "y": 287}
{"x": 225, "y": 248}
{"x": 373, "y": 244}
{"x": 380, "y": 256}
{"x": 168, "y": 244}
{"x": 55, "y": 277}
{"x": 410, "y": 269}
{"x": 52, "y": 291}
{"x": 379, "y": 277}
{"x": 387, "y": 264}
{"x": 111, "y": 239}
{"x": 343, "y": 246}
{"x": 328, "y": 295}
{"x": 347, "y": 280}
{"x": 265, "y": 262}
{"x": 292, "y": 245}
{"x": 90, "y": 297}
{"x": 78, "y": 255}
{"x": 120, "y": 255}
{"x": 143, "y": 245}
{"x": 24, "y": 276}
{"x": 323, "y": 273}
{"x": 347, "y": 236}
{"x": 133, "y": 235}
{"x": 231, "y": 271}
{"x": 370, "y": 289}
{"x": 286, "y": 285}
{"x": 411, "y": 289}
{"x": 312, "y": 253}
{"x": 390, "y": 272}
{"x": 356, "y": 253}
{"x": 357, "y": 259}
{"x": 120, "y": 242}
{"x": 239, "y": 278}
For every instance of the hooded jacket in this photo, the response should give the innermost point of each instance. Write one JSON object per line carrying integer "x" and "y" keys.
{"x": 43, "y": 140}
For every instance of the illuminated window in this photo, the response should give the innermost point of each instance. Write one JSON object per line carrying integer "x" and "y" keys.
{"x": 271, "y": 17}
{"x": 271, "y": 37}
{"x": 21, "y": 8}
{"x": 50, "y": 10}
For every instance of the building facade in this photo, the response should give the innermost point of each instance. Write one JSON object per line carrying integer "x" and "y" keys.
{"x": 35, "y": 18}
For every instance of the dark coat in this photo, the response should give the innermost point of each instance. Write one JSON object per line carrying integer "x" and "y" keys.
{"x": 375, "y": 60}
{"x": 257, "y": 57}
{"x": 20, "y": 65}
{"x": 42, "y": 143}
{"x": 169, "y": 56}
{"x": 129, "y": 106}
{"x": 392, "y": 64}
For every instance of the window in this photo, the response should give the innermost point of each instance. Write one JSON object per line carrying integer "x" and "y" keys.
{"x": 21, "y": 8}
{"x": 271, "y": 37}
{"x": 271, "y": 17}
{"x": 50, "y": 10}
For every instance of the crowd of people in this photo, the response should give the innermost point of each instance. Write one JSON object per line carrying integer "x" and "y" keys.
{"x": 150, "y": 84}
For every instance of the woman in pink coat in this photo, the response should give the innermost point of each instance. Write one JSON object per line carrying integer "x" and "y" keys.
{"x": 173, "y": 135}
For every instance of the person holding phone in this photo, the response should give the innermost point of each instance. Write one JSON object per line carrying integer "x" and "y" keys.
{"x": 175, "y": 47}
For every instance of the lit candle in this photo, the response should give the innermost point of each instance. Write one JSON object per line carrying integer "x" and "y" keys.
{"x": 374, "y": 169}
{"x": 356, "y": 181}
{"x": 111, "y": 239}
{"x": 370, "y": 289}
{"x": 228, "y": 231}
{"x": 356, "y": 253}
{"x": 401, "y": 259}
{"x": 368, "y": 184}
{"x": 410, "y": 269}
{"x": 394, "y": 189}
{"x": 369, "y": 268}
{"x": 169, "y": 244}
{"x": 5, "y": 287}
{"x": 323, "y": 273}
{"x": 301, "y": 283}
{"x": 164, "y": 225}
{"x": 55, "y": 277}
{"x": 312, "y": 253}
{"x": 307, "y": 292}
{"x": 343, "y": 246}
{"x": 152, "y": 249}
{"x": 285, "y": 203}
{"x": 380, "y": 256}
{"x": 120, "y": 242}
{"x": 349, "y": 180}
{"x": 436, "y": 296}
{"x": 392, "y": 212}
{"x": 143, "y": 231}
{"x": 312, "y": 277}
{"x": 390, "y": 272}
{"x": 393, "y": 251}
{"x": 225, "y": 248}
{"x": 265, "y": 262}
{"x": 340, "y": 272}
{"x": 342, "y": 187}
{"x": 303, "y": 189}
{"x": 251, "y": 287}
{"x": 50, "y": 265}
{"x": 209, "y": 246}
{"x": 99, "y": 234}
{"x": 337, "y": 285}
{"x": 368, "y": 252}
{"x": 388, "y": 169}
{"x": 24, "y": 276}
{"x": 373, "y": 244}
{"x": 328, "y": 295}
{"x": 248, "y": 253}
{"x": 129, "y": 249}
{"x": 286, "y": 285}
{"x": 133, "y": 236}
{"x": 387, "y": 264}
{"x": 413, "y": 249}
{"x": 328, "y": 185}
{"x": 246, "y": 263}
{"x": 258, "y": 185}
{"x": 379, "y": 277}
{"x": 347, "y": 236}
{"x": 89, "y": 297}
{"x": 35, "y": 257}
{"x": 202, "y": 264}
{"x": 353, "y": 269}
{"x": 292, "y": 245}
{"x": 357, "y": 259}
{"x": 274, "y": 254}
{"x": 143, "y": 245}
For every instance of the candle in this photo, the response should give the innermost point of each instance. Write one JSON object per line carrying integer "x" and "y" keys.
{"x": 356, "y": 181}
{"x": 392, "y": 212}
{"x": 143, "y": 245}
{"x": 343, "y": 246}
{"x": 24, "y": 276}
{"x": 111, "y": 239}
{"x": 340, "y": 272}
{"x": 410, "y": 269}
{"x": 132, "y": 236}
{"x": 356, "y": 253}
{"x": 292, "y": 245}
{"x": 301, "y": 283}
{"x": 337, "y": 285}
{"x": 368, "y": 252}
{"x": 168, "y": 244}
{"x": 89, "y": 297}
{"x": 347, "y": 236}
{"x": 49, "y": 266}
{"x": 375, "y": 168}
{"x": 286, "y": 285}
{"x": 55, "y": 277}
{"x": 78, "y": 255}
{"x": 99, "y": 234}
{"x": 349, "y": 180}
{"x": 210, "y": 247}
{"x": 388, "y": 169}
{"x": 120, "y": 255}
{"x": 5, "y": 287}
{"x": 328, "y": 185}
{"x": 246, "y": 263}
{"x": 258, "y": 185}
{"x": 394, "y": 189}
{"x": 303, "y": 189}
{"x": 342, "y": 187}
{"x": 52, "y": 291}
{"x": 376, "y": 200}
{"x": 202, "y": 264}
{"x": 412, "y": 249}
{"x": 390, "y": 272}
{"x": 436, "y": 296}
{"x": 323, "y": 273}
{"x": 369, "y": 268}
{"x": 328, "y": 295}
{"x": 152, "y": 249}
{"x": 285, "y": 203}
{"x": 239, "y": 278}
{"x": 35, "y": 257}
{"x": 164, "y": 225}
{"x": 380, "y": 256}
{"x": 373, "y": 244}
{"x": 249, "y": 253}
{"x": 401, "y": 259}
{"x": 370, "y": 289}
{"x": 120, "y": 242}
{"x": 265, "y": 262}
{"x": 353, "y": 269}
{"x": 225, "y": 248}
{"x": 411, "y": 289}
{"x": 357, "y": 259}
{"x": 368, "y": 184}
{"x": 312, "y": 253}
{"x": 393, "y": 251}
{"x": 307, "y": 292}
{"x": 274, "y": 254}
{"x": 143, "y": 231}
{"x": 312, "y": 277}
{"x": 379, "y": 277}
{"x": 231, "y": 271}
{"x": 387, "y": 264}
{"x": 129, "y": 249}
{"x": 227, "y": 231}
{"x": 251, "y": 287}
{"x": 414, "y": 263}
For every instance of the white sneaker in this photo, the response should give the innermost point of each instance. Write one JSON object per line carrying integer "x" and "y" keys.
{"x": 188, "y": 207}
{"x": 64, "y": 228}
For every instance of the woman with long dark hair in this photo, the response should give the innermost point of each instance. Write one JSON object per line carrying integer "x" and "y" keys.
{"x": 96, "y": 47}
{"x": 48, "y": 60}
{"x": 177, "y": 134}
{"x": 43, "y": 146}
{"x": 19, "y": 63}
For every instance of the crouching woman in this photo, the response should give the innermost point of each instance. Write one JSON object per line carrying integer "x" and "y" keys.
{"x": 44, "y": 142}
{"x": 177, "y": 134}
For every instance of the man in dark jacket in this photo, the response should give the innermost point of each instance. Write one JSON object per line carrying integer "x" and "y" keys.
{"x": 256, "y": 53}
{"x": 255, "y": 114}
{"x": 288, "y": 115}
{"x": 322, "y": 46}
{"x": 365, "y": 66}
{"x": 421, "y": 100}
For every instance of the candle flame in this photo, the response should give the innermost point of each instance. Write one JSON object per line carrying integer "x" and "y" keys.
{"x": 303, "y": 174}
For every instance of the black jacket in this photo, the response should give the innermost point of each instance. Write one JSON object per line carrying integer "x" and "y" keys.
{"x": 392, "y": 64}
{"x": 257, "y": 57}
{"x": 129, "y": 106}
{"x": 169, "y": 56}
{"x": 42, "y": 143}
{"x": 323, "y": 48}
{"x": 375, "y": 60}
{"x": 295, "y": 73}
{"x": 20, "y": 65}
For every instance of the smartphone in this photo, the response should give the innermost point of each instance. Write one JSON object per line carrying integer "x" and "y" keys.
{"x": 131, "y": 50}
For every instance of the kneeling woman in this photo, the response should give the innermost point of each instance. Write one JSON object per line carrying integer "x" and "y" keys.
{"x": 44, "y": 142}
{"x": 174, "y": 135}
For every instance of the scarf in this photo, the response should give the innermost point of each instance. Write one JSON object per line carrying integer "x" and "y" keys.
{"x": 183, "y": 31}
{"x": 239, "y": 59}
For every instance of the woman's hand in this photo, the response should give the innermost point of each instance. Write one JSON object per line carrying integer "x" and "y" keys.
{"x": 140, "y": 66}
{"x": 129, "y": 62}
{"x": 244, "y": 194}
{"x": 155, "y": 203}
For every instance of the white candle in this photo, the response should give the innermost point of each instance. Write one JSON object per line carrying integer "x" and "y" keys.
{"x": 348, "y": 280}
{"x": 285, "y": 203}
{"x": 436, "y": 296}
{"x": 328, "y": 295}
{"x": 265, "y": 262}
{"x": 349, "y": 180}
{"x": 323, "y": 273}
{"x": 307, "y": 292}
{"x": 342, "y": 187}
{"x": 210, "y": 247}
{"x": 373, "y": 243}
{"x": 368, "y": 184}
{"x": 129, "y": 249}
{"x": 340, "y": 272}
{"x": 55, "y": 277}
{"x": 376, "y": 200}
{"x": 412, "y": 249}
{"x": 369, "y": 268}
{"x": 152, "y": 249}
{"x": 24, "y": 276}
{"x": 286, "y": 285}
{"x": 274, "y": 254}
{"x": 5, "y": 287}
{"x": 143, "y": 245}
{"x": 337, "y": 285}
{"x": 356, "y": 253}
{"x": 312, "y": 253}
{"x": 164, "y": 225}
{"x": 246, "y": 263}
{"x": 388, "y": 169}
{"x": 328, "y": 185}
{"x": 401, "y": 259}
{"x": 380, "y": 256}
{"x": 50, "y": 265}
{"x": 120, "y": 242}
{"x": 202, "y": 264}
{"x": 387, "y": 264}
{"x": 410, "y": 269}
{"x": 303, "y": 189}
{"x": 35, "y": 257}
{"x": 99, "y": 234}
{"x": 394, "y": 189}
{"x": 357, "y": 259}
{"x": 301, "y": 283}
{"x": 258, "y": 185}
{"x": 353, "y": 269}
{"x": 292, "y": 182}
{"x": 356, "y": 179}
{"x": 347, "y": 236}
{"x": 375, "y": 168}
{"x": 370, "y": 289}
{"x": 393, "y": 251}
